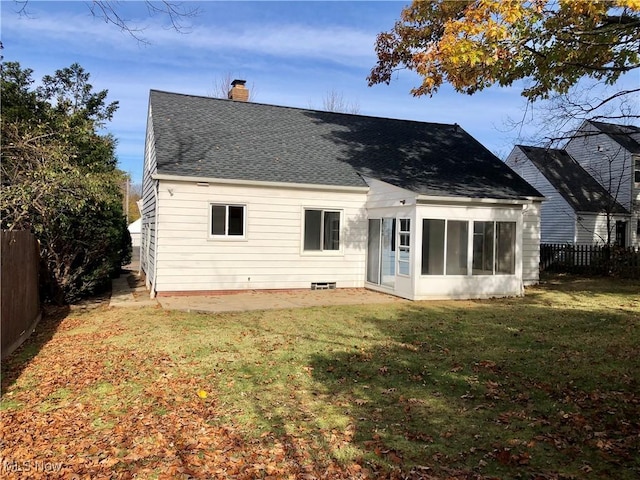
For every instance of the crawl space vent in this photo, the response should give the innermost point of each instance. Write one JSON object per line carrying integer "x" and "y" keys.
{"x": 323, "y": 286}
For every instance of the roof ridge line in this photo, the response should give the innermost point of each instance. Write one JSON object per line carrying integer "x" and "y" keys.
{"x": 206, "y": 97}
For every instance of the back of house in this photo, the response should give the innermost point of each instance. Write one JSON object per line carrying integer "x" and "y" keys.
{"x": 241, "y": 196}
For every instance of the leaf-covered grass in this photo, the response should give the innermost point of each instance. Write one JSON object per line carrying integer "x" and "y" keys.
{"x": 545, "y": 386}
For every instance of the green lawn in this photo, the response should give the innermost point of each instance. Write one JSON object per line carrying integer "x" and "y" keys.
{"x": 545, "y": 386}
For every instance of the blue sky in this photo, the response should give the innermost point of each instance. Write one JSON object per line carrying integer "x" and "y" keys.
{"x": 291, "y": 53}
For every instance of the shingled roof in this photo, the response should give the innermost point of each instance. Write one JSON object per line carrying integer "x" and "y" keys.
{"x": 620, "y": 134}
{"x": 581, "y": 191}
{"x": 215, "y": 138}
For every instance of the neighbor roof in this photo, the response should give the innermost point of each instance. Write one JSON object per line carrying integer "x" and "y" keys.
{"x": 572, "y": 181}
{"x": 217, "y": 138}
{"x": 621, "y": 134}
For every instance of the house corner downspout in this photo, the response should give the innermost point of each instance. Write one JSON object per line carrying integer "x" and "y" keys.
{"x": 155, "y": 256}
{"x": 525, "y": 207}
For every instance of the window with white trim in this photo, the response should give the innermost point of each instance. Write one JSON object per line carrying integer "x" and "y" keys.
{"x": 483, "y": 248}
{"x": 457, "y": 242}
{"x": 438, "y": 235}
{"x": 321, "y": 230}
{"x": 227, "y": 220}
{"x": 494, "y": 248}
{"x": 506, "y": 247}
{"x": 404, "y": 246}
{"x": 445, "y": 246}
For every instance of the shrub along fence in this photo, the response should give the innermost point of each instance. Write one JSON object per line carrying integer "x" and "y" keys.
{"x": 19, "y": 284}
{"x": 590, "y": 259}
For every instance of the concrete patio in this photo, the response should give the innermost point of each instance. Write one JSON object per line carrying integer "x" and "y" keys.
{"x": 125, "y": 296}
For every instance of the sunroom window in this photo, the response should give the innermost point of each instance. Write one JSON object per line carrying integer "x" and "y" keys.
{"x": 404, "y": 248}
{"x": 506, "y": 247}
{"x": 457, "y": 241}
{"x": 494, "y": 245}
{"x": 445, "y": 247}
{"x": 433, "y": 247}
{"x": 483, "y": 248}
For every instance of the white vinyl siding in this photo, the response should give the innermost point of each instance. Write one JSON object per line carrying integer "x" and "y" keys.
{"x": 531, "y": 244}
{"x": 605, "y": 160}
{"x": 613, "y": 167}
{"x": 592, "y": 229}
{"x": 148, "y": 227}
{"x": 271, "y": 255}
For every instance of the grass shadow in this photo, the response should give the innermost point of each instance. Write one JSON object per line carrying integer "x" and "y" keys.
{"x": 14, "y": 364}
{"x": 493, "y": 390}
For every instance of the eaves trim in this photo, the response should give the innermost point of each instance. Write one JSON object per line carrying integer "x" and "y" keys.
{"x": 259, "y": 183}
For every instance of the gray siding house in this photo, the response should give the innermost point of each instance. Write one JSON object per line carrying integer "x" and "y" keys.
{"x": 592, "y": 185}
{"x": 241, "y": 196}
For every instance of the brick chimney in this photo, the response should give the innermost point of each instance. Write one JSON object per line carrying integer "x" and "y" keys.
{"x": 238, "y": 91}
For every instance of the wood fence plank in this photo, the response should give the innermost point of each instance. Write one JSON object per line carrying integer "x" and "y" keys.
{"x": 19, "y": 288}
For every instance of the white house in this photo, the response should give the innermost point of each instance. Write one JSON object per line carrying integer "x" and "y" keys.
{"x": 240, "y": 195}
{"x": 592, "y": 185}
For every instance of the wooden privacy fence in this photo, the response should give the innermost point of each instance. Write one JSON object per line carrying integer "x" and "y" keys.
{"x": 19, "y": 285}
{"x": 590, "y": 259}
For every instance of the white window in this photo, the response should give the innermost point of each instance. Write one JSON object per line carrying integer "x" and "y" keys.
{"x": 457, "y": 242}
{"x": 483, "y": 236}
{"x": 494, "y": 248}
{"x": 321, "y": 230}
{"x": 433, "y": 246}
{"x": 436, "y": 234}
{"x": 227, "y": 220}
{"x": 404, "y": 247}
{"x": 506, "y": 247}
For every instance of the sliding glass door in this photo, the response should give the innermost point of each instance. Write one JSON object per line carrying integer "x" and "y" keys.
{"x": 381, "y": 256}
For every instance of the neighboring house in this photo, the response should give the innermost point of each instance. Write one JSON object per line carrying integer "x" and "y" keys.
{"x": 592, "y": 185}
{"x": 134, "y": 230}
{"x": 577, "y": 209}
{"x": 240, "y": 195}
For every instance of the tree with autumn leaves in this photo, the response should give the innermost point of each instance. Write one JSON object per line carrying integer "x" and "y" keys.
{"x": 553, "y": 44}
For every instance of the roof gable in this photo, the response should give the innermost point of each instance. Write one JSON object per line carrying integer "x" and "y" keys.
{"x": 216, "y": 138}
{"x": 621, "y": 134}
{"x": 572, "y": 181}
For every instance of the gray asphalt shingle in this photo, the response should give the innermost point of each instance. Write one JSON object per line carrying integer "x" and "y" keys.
{"x": 621, "y": 134}
{"x": 218, "y": 138}
{"x": 572, "y": 181}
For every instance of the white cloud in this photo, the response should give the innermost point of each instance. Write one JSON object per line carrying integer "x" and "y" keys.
{"x": 342, "y": 45}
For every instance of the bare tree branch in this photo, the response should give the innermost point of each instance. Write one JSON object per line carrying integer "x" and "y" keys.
{"x": 334, "y": 101}
{"x": 111, "y": 12}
